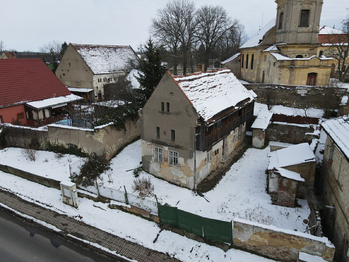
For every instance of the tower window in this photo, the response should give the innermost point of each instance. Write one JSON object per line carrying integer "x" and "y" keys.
{"x": 252, "y": 58}
{"x": 281, "y": 17}
{"x": 242, "y": 61}
{"x": 247, "y": 61}
{"x": 304, "y": 22}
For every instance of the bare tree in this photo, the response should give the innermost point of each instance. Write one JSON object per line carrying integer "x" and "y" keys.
{"x": 213, "y": 24}
{"x": 2, "y": 46}
{"x": 339, "y": 50}
{"x": 175, "y": 28}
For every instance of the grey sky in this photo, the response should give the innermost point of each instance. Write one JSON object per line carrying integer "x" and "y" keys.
{"x": 26, "y": 25}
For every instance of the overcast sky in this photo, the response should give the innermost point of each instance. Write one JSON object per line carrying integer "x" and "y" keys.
{"x": 27, "y": 25}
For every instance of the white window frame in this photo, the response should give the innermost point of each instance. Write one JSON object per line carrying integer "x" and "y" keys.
{"x": 173, "y": 158}
{"x": 159, "y": 154}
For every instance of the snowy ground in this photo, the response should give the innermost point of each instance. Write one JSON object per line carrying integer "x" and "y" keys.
{"x": 130, "y": 227}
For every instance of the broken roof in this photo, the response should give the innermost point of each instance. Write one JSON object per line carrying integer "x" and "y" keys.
{"x": 338, "y": 130}
{"x": 25, "y": 80}
{"x": 106, "y": 59}
{"x": 213, "y": 92}
{"x": 289, "y": 156}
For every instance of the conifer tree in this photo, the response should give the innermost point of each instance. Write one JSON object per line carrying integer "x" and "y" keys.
{"x": 151, "y": 69}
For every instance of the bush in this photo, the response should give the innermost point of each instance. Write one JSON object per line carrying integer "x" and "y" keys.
{"x": 29, "y": 153}
{"x": 143, "y": 186}
{"x": 90, "y": 170}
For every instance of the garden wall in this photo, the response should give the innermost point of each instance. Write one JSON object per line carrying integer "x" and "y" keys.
{"x": 103, "y": 140}
{"x": 278, "y": 244}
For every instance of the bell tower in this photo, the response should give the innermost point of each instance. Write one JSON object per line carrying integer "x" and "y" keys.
{"x": 298, "y": 21}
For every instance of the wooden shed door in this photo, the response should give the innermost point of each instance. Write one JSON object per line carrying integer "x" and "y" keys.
{"x": 311, "y": 81}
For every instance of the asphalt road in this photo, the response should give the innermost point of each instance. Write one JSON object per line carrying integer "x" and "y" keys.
{"x": 20, "y": 241}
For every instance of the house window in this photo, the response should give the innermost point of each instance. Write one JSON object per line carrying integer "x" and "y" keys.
{"x": 219, "y": 124}
{"x": 252, "y": 58}
{"x": 69, "y": 64}
{"x": 20, "y": 116}
{"x": 304, "y": 21}
{"x": 299, "y": 56}
{"x": 158, "y": 154}
{"x": 168, "y": 107}
{"x": 242, "y": 61}
{"x": 209, "y": 156}
{"x": 173, "y": 158}
{"x": 216, "y": 152}
{"x": 281, "y": 17}
{"x": 321, "y": 53}
{"x": 247, "y": 61}
{"x": 158, "y": 132}
{"x": 162, "y": 106}
{"x": 173, "y": 135}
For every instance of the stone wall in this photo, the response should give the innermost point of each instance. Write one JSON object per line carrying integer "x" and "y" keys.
{"x": 103, "y": 140}
{"x": 290, "y": 133}
{"x": 299, "y": 96}
{"x": 278, "y": 244}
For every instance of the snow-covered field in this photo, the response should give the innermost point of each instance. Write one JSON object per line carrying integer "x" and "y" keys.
{"x": 131, "y": 227}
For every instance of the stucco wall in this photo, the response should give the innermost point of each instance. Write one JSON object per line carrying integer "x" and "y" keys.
{"x": 278, "y": 244}
{"x": 9, "y": 114}
{"x": 335, "y": 187}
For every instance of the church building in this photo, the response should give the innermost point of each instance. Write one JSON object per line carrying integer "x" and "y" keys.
{"x": 285, "y": 51}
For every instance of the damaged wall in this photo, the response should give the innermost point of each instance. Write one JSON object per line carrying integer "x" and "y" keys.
{"x": 278, "y": 244}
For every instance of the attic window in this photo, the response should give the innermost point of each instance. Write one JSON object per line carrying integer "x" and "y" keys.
{"x": 304, "y": 21}
{"x": 299, "y": 56}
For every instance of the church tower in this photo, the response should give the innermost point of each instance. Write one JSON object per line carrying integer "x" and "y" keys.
{"x": 298, "y": 21}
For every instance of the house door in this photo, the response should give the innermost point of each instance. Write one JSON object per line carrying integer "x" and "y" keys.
{"x": 311, "y": 81}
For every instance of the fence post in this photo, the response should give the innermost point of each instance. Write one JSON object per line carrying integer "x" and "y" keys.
{"x": 126, "y": 198}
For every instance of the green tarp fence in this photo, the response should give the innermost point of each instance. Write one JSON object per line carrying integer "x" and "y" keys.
{"x": 204, "y": 227}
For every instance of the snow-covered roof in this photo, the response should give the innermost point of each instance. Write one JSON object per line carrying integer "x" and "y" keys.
{"x": 290, "y": 156}
{"x": 271, "y": 48}
{"x": 258, "y": 37}
{"x": 338, "y": 130}
{"x": 263, "y": 119}
{"x": 231, "y": 58}
{"x": 54, "y": 102}
{"x": 79, "y": 90}
{"x": 289, "y": 174}
{"x": 280, "y": 57}
{"x": 106, "y": 59}
{"x": 325, "y": 30}
{"x": 213, "y": 92}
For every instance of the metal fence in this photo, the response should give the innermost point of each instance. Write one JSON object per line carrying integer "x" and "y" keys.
{"x": 217, "y": 230}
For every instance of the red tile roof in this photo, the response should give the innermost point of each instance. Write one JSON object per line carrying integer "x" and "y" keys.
{"x": 23, "y": 80}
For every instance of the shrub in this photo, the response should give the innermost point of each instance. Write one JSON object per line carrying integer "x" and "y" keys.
{"x": 90, "y": 170}
{"x": 29, "y": 153}
{"x": 143, "y": 186}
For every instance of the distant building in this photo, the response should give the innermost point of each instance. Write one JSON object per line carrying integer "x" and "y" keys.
{"x": 192, "y": 123}
{"x": 30, "y": 94}
{"x": 90, "y": 67}
{"x": 285, "y": 50}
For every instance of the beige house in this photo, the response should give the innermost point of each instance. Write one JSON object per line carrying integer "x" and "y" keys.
{"x": 90, "y": 67}
{"x": 192, "y": 123}
{"x": 335, "y": 184}
{"x": 285, "y": 51}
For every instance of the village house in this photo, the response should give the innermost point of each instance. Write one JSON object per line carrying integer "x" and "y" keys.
{"x": 335, "y": 184}
{"x": 30, "y": 94}
{"x": 334, "y": 41}
{"x": 291, "y": 173}
{"x": 192, "y": 123}
{"x": 87, "y": 68}
{"x": 285, "y": 50}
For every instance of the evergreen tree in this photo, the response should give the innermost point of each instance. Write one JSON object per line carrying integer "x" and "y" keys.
{"x": 151, "y": 69}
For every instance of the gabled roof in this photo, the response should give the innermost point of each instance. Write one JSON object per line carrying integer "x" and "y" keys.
{"x": 289, "y": 156}
{"x": 338, "y": 130}
{"x": 106, "y": 59}
{"x": 258, "y": 37}
{"x": 231, "y": 58}
{"x": 23, "y": 80}
{"x": 212, "y": 92}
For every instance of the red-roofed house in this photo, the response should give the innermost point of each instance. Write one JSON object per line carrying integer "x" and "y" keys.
{"x": 30, "y": 94}
{"x": 192, "y": 123}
